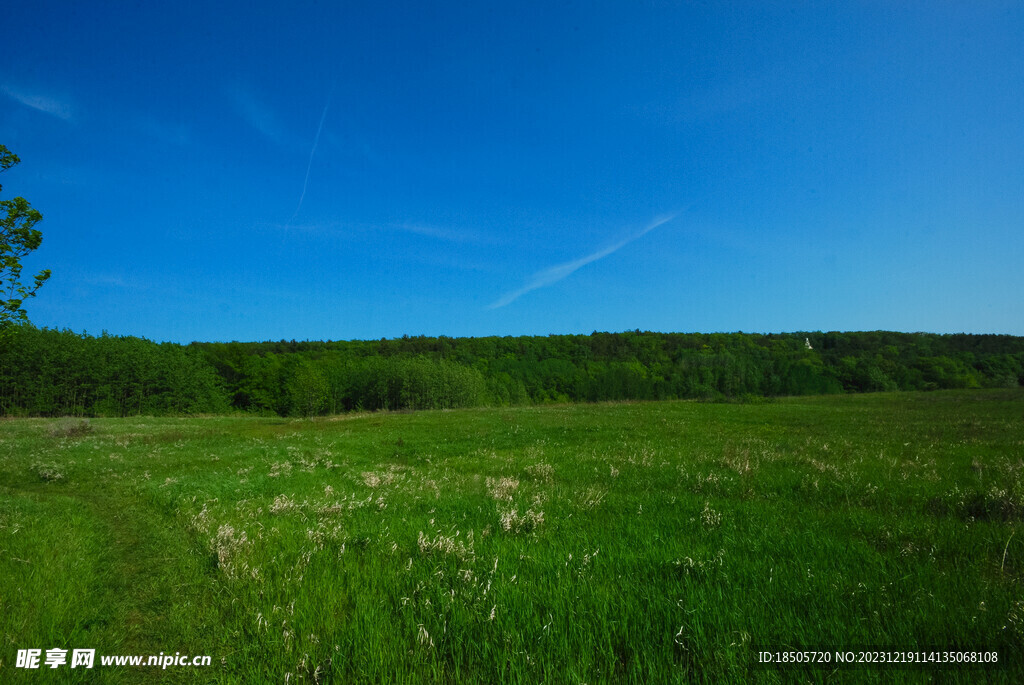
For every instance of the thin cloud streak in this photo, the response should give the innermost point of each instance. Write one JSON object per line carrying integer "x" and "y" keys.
{"x": 176, "y": 134}
{"x": 316, "y": 141}
{"x": 259, "y": 116}
{"x": 50, "y": 105}
{"x": 373, "y": 231}
{"x": 448, "y": 235}
{"x": 556, "y": 273}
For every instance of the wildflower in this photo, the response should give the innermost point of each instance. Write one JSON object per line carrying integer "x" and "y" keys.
{"x": 502, "y": 488}
{"x": 709, "y": 517}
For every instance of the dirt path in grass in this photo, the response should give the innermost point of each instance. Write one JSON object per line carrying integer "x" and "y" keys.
{"x": 155, "y": 596}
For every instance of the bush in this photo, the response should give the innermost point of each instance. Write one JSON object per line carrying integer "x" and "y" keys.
{"x": 69, "y": 428}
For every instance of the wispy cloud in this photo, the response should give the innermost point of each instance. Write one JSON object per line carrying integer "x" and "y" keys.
{"x": 106, "y": 280}
{"x": 312, "y": 151}
{"x": 54, "y": 106}
{"x": 707, "y": 104}
{"x": 259, "y": 116}
{"x": 177, "y": 134}
{"x": 556, "y": 273}
{"x": 373, "y": 230}
{"x": 448, "y": 235}
{"x": 356, "y": 148}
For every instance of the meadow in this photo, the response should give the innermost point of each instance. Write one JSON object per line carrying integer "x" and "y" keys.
{"x": 629, "y": 542}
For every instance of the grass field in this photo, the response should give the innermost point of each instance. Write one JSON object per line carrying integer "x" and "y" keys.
{"x": 649, "y": 542}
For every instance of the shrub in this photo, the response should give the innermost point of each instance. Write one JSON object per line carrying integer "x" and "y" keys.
{"x": 69, "y": 428}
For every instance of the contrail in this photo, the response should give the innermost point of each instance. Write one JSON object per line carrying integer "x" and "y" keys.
{"x": 316, "y": 141}
{"x": 556, "y": 273}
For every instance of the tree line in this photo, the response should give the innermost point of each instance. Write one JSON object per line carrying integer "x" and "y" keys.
{"x": 49, "y": 372}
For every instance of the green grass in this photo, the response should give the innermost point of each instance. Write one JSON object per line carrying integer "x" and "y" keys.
{"x": 648, "y": 542}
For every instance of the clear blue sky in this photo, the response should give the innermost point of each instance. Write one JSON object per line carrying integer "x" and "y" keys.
{"x": 343, "y": 170}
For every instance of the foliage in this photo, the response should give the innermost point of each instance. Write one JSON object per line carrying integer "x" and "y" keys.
{"x": 18, "y": 237}
{"x": 49, "y": 372}
{"x": 308, "y": 390}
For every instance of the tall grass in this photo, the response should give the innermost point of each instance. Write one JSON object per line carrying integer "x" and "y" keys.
{"x": 658, "y": 542}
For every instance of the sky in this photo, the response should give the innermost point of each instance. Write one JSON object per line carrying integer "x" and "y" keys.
{"x": 257, "y": 171}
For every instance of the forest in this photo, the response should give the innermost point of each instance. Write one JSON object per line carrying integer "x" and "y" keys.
{"x": 50, "y": 372}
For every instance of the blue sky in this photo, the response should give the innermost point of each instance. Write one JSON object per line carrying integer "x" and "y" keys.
{"x": 334, "y": 171}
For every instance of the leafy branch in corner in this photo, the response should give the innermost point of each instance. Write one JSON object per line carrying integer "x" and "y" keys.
{"x": 18, "y": 237}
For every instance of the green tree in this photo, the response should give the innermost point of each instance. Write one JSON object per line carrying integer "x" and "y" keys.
{"x": 18, "y": 237}
{"x": 308, "y": 389}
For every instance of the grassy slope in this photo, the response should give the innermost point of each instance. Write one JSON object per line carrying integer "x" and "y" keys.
{"x": 630, "y": 542}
